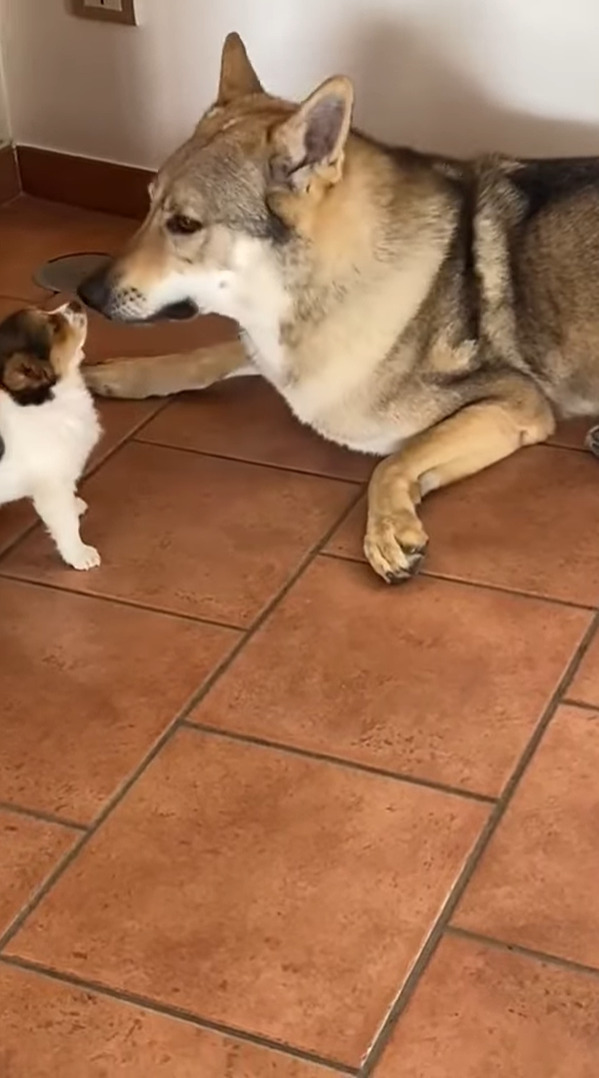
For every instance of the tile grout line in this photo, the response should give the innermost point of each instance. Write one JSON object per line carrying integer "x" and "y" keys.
{"x": 116, "y": 798}
{"x": 26, "y": 301}
{"x": 41, "y": 817}
{"x": 256, "y": 463}
{"x": 338, "y": 761}
{"x": 12, "y": 543}
{"x": 580, "y": 704}
{"x": 525, "y": 952}
{"x": 128, "y": 437}
{"x": 179, "y": 1013}
{"x": 480, "y": 584}
{"x": 569, "y": 448}
{"x": 22, "y": 578}
{"x": 495, "y": 817}
{"x": 117, "y": 600}
{"x": 375, "y": 460}
{"x": 168, "y": 733}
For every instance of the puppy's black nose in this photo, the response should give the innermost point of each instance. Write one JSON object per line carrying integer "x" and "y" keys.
{"x": 95, "y": 290}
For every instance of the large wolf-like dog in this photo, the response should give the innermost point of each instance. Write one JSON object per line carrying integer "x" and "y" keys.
{"x": 439, "y": 314}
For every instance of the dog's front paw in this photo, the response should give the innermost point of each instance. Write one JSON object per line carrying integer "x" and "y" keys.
{"x": 105, "y": 378}
{"x": 118, "y": 378}
{"x": 86, "y": 557}
{"x": 100, "y": 378}
{"x": 395, "y": 546}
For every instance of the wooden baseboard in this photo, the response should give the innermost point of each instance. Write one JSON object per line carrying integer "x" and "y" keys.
{"x": 10, "y": 182}
{"x": 84, "y": 181}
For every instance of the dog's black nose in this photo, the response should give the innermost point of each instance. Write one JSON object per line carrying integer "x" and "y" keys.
{"x": 95, "y": 290}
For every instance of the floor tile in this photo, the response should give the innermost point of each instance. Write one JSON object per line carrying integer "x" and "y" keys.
{"x": 32, "y": 231}
{"x": 15, "y": 519}
{"x": 195, "y": 535}
{"x": 29, "y": 850}
{"x": 119, "y": 419}
{"x": 571, "y": 435}
{"x": 511, "y": 526}
{"x": 272, "y": 893}
{"x": 245, "y": 418}
{"x": 537, "y": 883}
{"x": 485, "y": 1013}
{"x": 348, "y": 540}
{"x": 426, "y": 680}
{"x": 8, "y": 305}
{"x": 107, "y": 340}
{"x": 585, "y": 686}
{"x": 102, "y": 683}
{"x": 49, "y": 1028}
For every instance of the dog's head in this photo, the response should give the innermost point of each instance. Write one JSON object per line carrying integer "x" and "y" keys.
{"x": 243, "y": 192}
{"x": 38, "y": 348}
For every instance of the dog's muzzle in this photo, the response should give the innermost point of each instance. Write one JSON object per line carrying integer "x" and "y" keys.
{"x": 123, "y": 304}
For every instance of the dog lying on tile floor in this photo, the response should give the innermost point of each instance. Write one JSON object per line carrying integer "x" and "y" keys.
{"x": 439, "y": 313}
{"x": 48, "y": 423}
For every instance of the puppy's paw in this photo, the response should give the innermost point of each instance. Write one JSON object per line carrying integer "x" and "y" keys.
{"x": 395, "y": 546}
{"x": 81, "y": 506}
{"x": 86, "y": 557}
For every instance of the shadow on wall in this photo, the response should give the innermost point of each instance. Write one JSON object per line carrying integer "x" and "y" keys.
{"x": 409, "y": 92}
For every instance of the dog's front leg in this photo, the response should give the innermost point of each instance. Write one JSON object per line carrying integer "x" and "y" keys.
{"x": 159, "y": 376}
{"x": 461, "y": 445}
{"x": 60, "y": 509}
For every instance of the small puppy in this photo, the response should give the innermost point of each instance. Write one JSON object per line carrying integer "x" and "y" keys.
{"x": 48, "y": 423}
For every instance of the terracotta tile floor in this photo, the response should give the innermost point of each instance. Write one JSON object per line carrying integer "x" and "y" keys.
{"x": 260, "y": 816}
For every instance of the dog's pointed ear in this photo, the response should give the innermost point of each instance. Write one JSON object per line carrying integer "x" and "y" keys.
{"x": 237, "y": 76}
{"x": 313, "y": 139}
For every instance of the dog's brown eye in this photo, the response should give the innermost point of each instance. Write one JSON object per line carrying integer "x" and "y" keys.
{"x": 182, "y": 225}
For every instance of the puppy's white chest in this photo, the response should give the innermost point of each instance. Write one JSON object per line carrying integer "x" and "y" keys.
{"x": 50, "y": 442}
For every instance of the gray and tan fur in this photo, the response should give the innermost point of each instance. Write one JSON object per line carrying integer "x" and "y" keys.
{"x": 439, "y": 314}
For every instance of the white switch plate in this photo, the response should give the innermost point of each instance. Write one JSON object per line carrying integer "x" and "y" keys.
{"x": 111, "y": 5}
{"x": 121, "y": 11}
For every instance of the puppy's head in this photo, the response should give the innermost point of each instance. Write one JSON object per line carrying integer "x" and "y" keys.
{"x": 38, "y": 348}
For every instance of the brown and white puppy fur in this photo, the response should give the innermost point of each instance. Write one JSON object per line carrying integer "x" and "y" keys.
{"x": 438, "y": 313}
{"x": 48, "y": 423}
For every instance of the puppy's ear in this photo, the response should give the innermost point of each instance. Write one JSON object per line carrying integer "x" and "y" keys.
{"x": 237, "y": 76}
{"x": 28, "y": 379}
{"x": 312, "y": 141}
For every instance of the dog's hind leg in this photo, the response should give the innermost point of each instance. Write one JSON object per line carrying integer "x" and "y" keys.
{"x": 159, "y": 376}
{"x": 468, "y": 441}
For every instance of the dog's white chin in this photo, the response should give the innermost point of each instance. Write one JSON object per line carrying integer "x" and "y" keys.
{"x": 208, "y": 292}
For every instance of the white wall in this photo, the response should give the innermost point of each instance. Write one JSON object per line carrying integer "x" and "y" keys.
{"x": 455, "y": 75}
{"x": 5, "y": 126}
